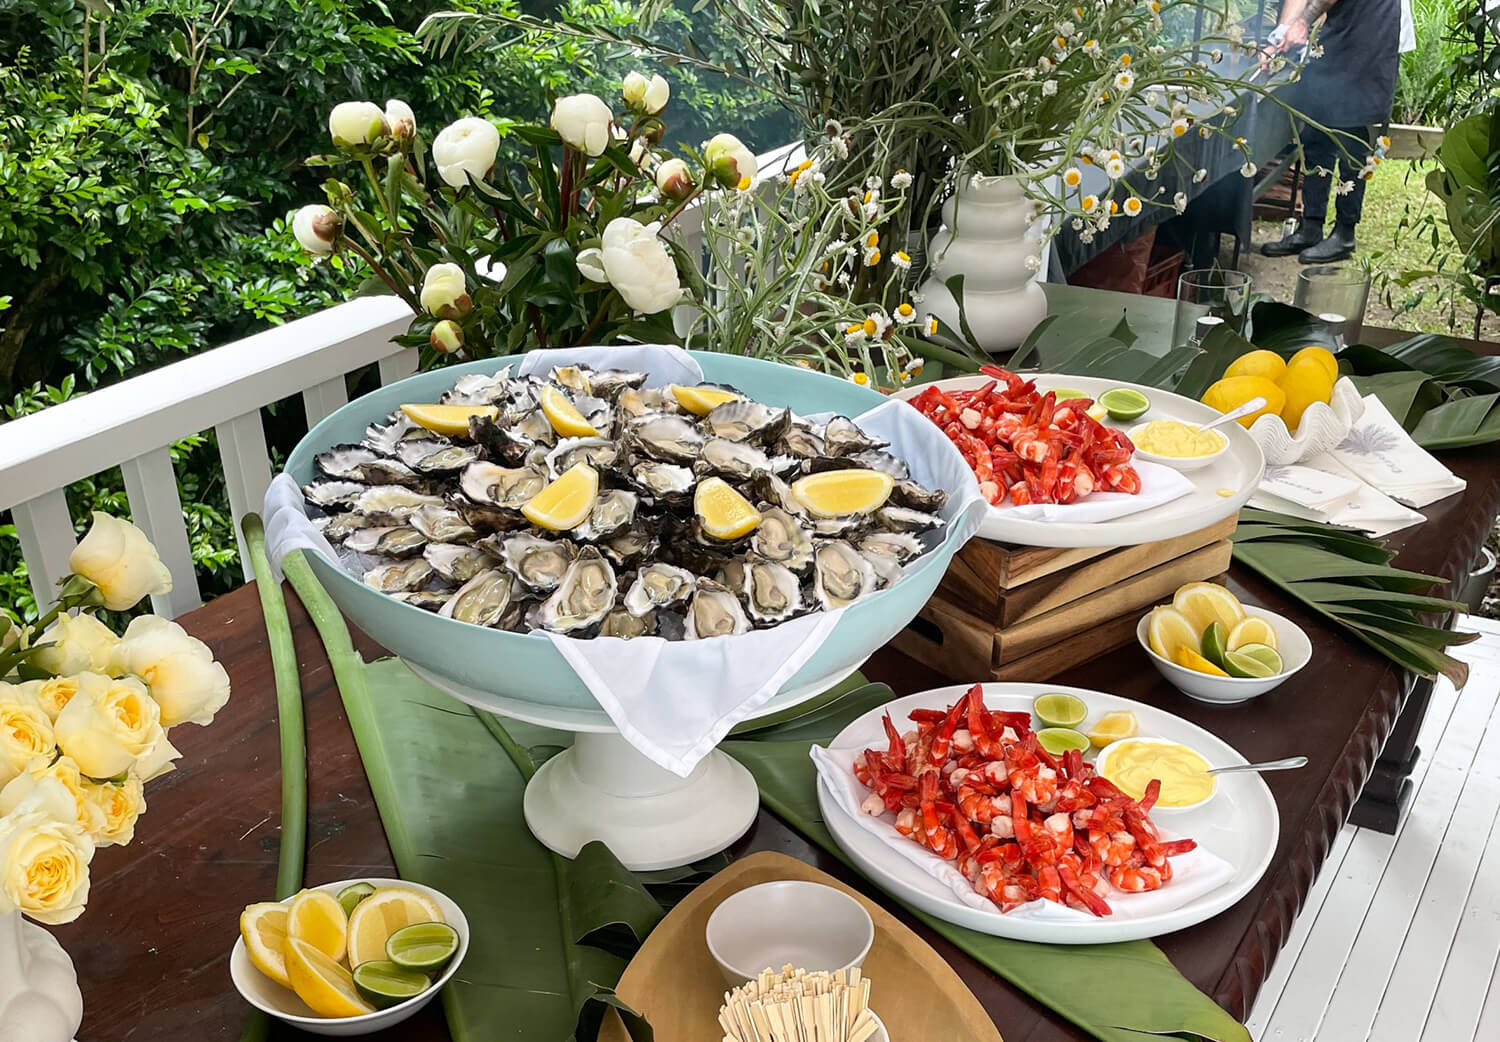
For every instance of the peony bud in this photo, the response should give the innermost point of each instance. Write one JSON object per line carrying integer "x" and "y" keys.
{"x": 317, "y": 228}
{"x": 401, "y": 120}
{"x": 653, "y": 130}
{"x": 467, "y": 147}
{"x": 729, "y": 161}
{"x": 674, "y": 179}
{"x": 657, "y": 93}
{"x": 355, "y": 123}
{"x": 444, "y": 293}
{"x": 583, "y": 122}
{"x": 633, "y": 90}
{"x": 640, "y": 153}
{"x": 447, "y": 337}
{"x": 591, "y": 264}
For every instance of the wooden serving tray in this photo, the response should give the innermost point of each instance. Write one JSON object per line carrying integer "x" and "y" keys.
{"x": 675, "y": 983}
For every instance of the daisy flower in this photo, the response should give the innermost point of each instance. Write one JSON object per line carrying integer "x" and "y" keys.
{"x": 1124, "y": 80}
{"x": 1179, "y": 202}
{"x": 872, "y": 256}
{"x": 1049, "y": 88}
{"x": 1072, "y": 177}
{"x": 1089, "y": 203}
{"x": 905, "y": 312}
{"x": 1114, "y": 207}
{"x": 1179, "y": 127}
{"x": 901, "y": 259}
{"x": 1092, "y": 49}
{"x": 1115, "y": 168}
{"x": 932, "y": 325}
{"x": 901, "y": 179}
{"x": 854, "y": 334}
{"x": 1132, "y": 206}
{"x": 859, "y": 378}
{"x": 1248, "y": 170}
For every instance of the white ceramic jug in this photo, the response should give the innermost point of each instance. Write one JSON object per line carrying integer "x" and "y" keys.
{"x": 39, "y": 996}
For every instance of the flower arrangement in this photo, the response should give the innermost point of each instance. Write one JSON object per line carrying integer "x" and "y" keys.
{"x": 569, "y": 243}
{"x": 84, "y": 720}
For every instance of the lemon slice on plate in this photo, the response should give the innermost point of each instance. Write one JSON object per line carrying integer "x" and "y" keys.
{"x": 1203, "y": 603}
{"x": 1252, "y": 629}
{"x": 383, "y": 913}
{"x": 326, "y": 987}
{"x": 1169, "y": 630}
{"x": 700, "y": 401}
{"x": 725, "y": 513}
{"x": 1187, "y": 658}
{"x": 1112, "y": 727}
{"x": 566, "y": 502}
{"x": 839, "y": 493}
{"x": 448, "y": 420}
{"x": 564, "y": 415}
{"x": 317, "y": 918}
{"x": 263, "y": 927}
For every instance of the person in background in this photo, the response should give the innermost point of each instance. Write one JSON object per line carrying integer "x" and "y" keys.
{"x": 1349, "y": 89}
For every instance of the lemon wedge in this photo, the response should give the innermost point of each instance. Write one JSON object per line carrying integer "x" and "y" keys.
{"x": 564, "y": 415}
{"x": 387, "y": 910}
{"x": 316, "y": 918}
{"x": 448, "y": 420}
{"x": 1252, "y": 629}
{"x": 566, "y": 502}
{"x": 1187, "y": 658}
{"x": 1111, "y": 727}
{"x": 326, "y": 987}
{"x": 724, "y": 513}
{"x": 1169, "y": 630}
{"x": 1203, "y": 603}
{"x": 838, "y": 493}
{"x": 263, "y": 927}
{"x": 700, "y": 401}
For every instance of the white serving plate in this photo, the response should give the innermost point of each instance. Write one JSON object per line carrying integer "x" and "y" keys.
{"x": 1240, "y": 823}
{"x": 1238, "y": 469}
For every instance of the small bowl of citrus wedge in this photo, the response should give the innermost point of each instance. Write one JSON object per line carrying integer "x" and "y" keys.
{"x": 1214, "y": 649}
{"x": 349, "y": 958}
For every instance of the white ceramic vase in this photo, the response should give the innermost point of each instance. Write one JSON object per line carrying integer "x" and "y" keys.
{"x": 39, "y": 996}
{"x": 990, "y": 236}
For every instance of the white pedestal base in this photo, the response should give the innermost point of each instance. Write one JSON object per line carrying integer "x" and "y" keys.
{"x": 603, "y": 789}
{"x": 39, "y": 996}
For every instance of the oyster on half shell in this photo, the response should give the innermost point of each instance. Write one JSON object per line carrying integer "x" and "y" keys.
{"x": 841, "y": 575}
{"x": 714, "y": 611}
{"x": 583, "y": 598}
{"x": 659, "y": 586}
{"x": 483, "y": 600}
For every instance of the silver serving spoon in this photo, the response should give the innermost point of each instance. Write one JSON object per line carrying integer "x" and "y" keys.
{"x": 1233, "y": 414}
{"x": 1288, "y": 764}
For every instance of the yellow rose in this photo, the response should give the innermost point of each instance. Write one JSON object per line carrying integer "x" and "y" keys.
{"x": 44, "y": 857}
{"x": 116, "y": 807}
{"x": 91, "y": 817}
{"x": 79, "y": 643}
{"x": 53, "y": 694}
{"x": 112, "y": 725}
{"x": 117, "y": 557}
{"x": 180, "y": 671}
{"x": 25, "y": 730}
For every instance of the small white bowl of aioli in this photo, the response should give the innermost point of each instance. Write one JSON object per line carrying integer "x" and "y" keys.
{"x": 1131, "y": 763}
{"x": 1175, "y": 444}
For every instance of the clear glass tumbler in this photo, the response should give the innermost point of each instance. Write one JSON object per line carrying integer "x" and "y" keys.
{"x": 1213, "y": 294}
{"x": 1337, "y": 294}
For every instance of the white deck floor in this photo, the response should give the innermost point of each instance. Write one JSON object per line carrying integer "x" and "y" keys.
{"x": 1399, "y": 939}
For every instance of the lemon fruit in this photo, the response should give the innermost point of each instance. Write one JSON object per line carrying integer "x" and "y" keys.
{"x": 1123, "y": 403}
{"x": 1322, "y": 356}
{"x": 839, "y": 493}
{"x": 1234, "y": 391}
{"x": 316, "y": 918}
{"x": 1111, "y": 727}
{"x": 1187, "y": 658}
{"x": 724, "y": 513}
{"x": 427, "y": 947}
{"x": 564, "y": 415}
{"x": 700, "y": 401}
{"x": 383, "y": 984}
{"x": 1253, "y": 660}
{"x": 566, "y": 502}
{"x": 1203, "y": 603}
{"x": 1058, "y": 740}
{"x": 1258, "y": 363}
{"x": 1215, "y": 642}
{"x": 449, "y": 420}
{"x": 1252, "y": 629}
{"x": 326, "y": 987}
{"x": 1305, "y": 382}
{"x": 1059, "y": 709}
{"x": 381, "y": 914}
{"x": 263, "y": 927}
{"x": 1169, "y": 630}
{"x": 353, "y": 894}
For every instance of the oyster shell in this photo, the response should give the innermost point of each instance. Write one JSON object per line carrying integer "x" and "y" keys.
{"x": 501, "y": 444}
{"x": 392, "y": 541}
{"x": 772, "y": 593}
{"x": 666, "y": 482}
{"x": 478, "y": 389}
{"x": 771, "y": 489}
{"x": 659, "y": 586}
{"x": 427, "y": 600}
{"x": 746, "y": 420}
{"x": 630, "y": 545}
{"x": 840, "y": 575}
{"x": 435, "y": 456}
{"x": 610, "y": 383}
{"x": 843, "y": 437}
{"x": 599, "y": 453}
{"x": 779, "y": 538}
{"x": 399, "y": 575}
{"x": 384, "y": 439}
{"x": 904, "y": 519}
{"x": 667, "y": 437}
{"x": 913, "y": 496}
{"x": 583, "y": 598}
{"x": 456, "y": 561}
{"x": 613, "y": 510}
{"x": 441, "y": 525}
{"x": 714, "y": 611}
{"x": 899, "y": 546}
{"x": 339, "y": 528}
{"x": 802, "y": 441}
{"x": 574, "y": 378}
{"x": 621, "y": 622}
{"x": 391, "y": 504}
{"x": 485, "y": 482}
{"x": 483, "y": 600}
{"x": 332, "y": 494}
{"x": 539, "y": 564}
{"x": 737, "y": 460}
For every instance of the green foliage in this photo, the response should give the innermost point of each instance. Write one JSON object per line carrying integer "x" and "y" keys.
{"x": 1429, "y": 86}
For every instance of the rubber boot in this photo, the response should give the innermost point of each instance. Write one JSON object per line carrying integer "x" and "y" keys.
{"x": 1338, "y": 246}
{"x": 1305, "y": 234}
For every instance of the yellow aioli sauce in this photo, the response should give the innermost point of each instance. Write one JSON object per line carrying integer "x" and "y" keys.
{"x": 1225, "y": 492}
{"x": 1175, "y": 439}
{"x": 1183, "y": 772}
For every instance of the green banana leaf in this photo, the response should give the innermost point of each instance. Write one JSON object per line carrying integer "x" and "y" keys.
{"x": 1286, "y": 329}
{"x": 1117, "y": 992}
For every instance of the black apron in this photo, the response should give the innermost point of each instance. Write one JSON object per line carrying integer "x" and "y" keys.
{"x": 1354, "y": 83}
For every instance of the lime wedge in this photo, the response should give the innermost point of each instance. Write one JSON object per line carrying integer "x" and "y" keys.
{"x": 422, "y": 946}
{"x": 1256, "y": 660}
{"x": 384, "y": 983}
{"x": 1064, "y": 393}
{"x": 1124, "y": 403}
{"x": 1058, "y": 740}
{"x": 1215, "y": 643}
{"x": 353, "y": 894}
{"x": 1059, "y": 709}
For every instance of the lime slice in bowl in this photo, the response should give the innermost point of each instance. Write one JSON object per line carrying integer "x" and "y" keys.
{"x": 1215, "y": 643}
{"x": 1253, "y": 660}
{"x": 353, "y": 894}
{"x": 383, "y": 983}
{"x": 1123, "y": 403}
{"x": 1059, "y": 709}
{"x": 422, "y": 946}
{"x": 1058, "y": 740}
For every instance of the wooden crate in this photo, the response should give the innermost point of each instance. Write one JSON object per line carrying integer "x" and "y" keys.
{"x": 1028, "y": 613}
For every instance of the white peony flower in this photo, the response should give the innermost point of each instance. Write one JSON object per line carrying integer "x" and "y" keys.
{"x": 658, "y": 92}
{"x": 401, "y": 119}
{"x": 464, "y": 149}
{"x": 729, "y": 162}
{"x": 355, "y": 123}
{"x": 639, "y": 266}
{"x": 178, "y": 669}
{"x": 79, "y": 643}
{"x": 117, "y": 557}
{"x": 444, "y": 293}
{"x": 633, "y": 89}
{"x": 316, "y": 228}
{"x": 591, "y": 264}
{"x": 583, "y": 121}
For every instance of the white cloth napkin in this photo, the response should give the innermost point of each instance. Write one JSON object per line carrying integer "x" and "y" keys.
{"x": 1194, "y": 874}
{"x": 675, "y": 700}
{"x": 1323, "y": 489}
{"x": 1382, "y": 454}
{"x": 1159, "y": 484}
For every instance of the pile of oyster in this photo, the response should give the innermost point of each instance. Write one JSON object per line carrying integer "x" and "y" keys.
{"x": 437, "y": 520}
